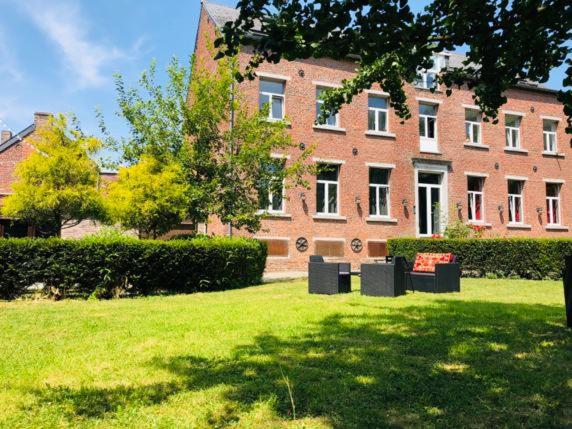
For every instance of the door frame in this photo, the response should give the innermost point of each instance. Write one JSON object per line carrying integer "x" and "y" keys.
{"x": 443, "y": 170}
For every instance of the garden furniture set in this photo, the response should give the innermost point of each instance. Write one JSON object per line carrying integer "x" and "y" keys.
{"x": 392, "y": 276}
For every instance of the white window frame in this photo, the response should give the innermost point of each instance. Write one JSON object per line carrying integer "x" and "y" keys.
{"x": 444, "y": 194}
{"x": 546, "y": 137}
{"x": 376, "y": 110}
{"x": 428, "y": 144}
{"x": 513, "y": 131}
{"x": 272, "y": 95}
{"x": 512, "y": 204}
{"x": 439, "y": 61}
{"x": 326, "y": 184}
{"x": 270, "y": 209}
{"x": 554, "y": 219}
{"x": 472, "y": 195}
{"x": 321, "y": 102}
{"x": 473, "y": 124}
{"x": 378, "y": 187}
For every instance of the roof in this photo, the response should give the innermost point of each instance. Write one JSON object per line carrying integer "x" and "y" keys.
{"x": 222, "y": 14}
{"x": 17, "y": 138}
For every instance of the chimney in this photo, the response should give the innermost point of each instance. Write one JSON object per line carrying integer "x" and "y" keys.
{"x": 6, "y": 135}
{"x": 41, "y": 118}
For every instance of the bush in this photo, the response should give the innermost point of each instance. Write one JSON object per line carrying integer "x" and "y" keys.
{"x": 496, "y": 257}
{"x": 106, "y": 267}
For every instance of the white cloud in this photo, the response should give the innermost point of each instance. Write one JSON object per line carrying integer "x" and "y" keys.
{"x": 8, "y": 65}
{"x": 62, "y": 22}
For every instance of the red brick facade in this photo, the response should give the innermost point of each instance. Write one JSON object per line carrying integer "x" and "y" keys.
{"x": 399, "y": 150}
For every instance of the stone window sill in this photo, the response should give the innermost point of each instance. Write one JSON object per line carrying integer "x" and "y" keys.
{"x": 276, "y": 215}
{"x": 329, "y": 128}
{"x": 477, "y": 146}
{"x": 328, "y": 217}
{"x": 381, "y": 219}
{"x": 373, "y": 133}
{"x": 519, "y": 226}
{"x": 554, "y": 154}
{"x": 515, "y": 150}
{"x": 478, "y": 223}
{"x": 556, "y": 228}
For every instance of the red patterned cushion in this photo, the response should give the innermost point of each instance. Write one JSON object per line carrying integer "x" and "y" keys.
{"x": 425, "y": 262}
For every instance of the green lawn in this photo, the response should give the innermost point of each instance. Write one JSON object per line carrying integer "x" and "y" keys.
{"x": 496, "y": 354}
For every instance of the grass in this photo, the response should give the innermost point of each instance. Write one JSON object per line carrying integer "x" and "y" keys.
{"x": 497, "y": 354}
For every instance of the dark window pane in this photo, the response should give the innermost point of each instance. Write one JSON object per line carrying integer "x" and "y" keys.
{"x": 514, "y": 187}
{"x": 277, "y": 103}
{"x": 422, "y": 127}
{"x": 320, "y": 197}
{"x": 379, "y": 176}
{"x": 332, "y": 198}
{"x": 474, "y": 183}
{"x": 427, "y": 109}
{"x": 371, "y": 120}
{"x": 264, "y": 99}
{"x": 431, "y": 128}
{"x": 429, "y": 178}
{"x": 382, "y": 121}
{"x": 552, "y": 189}
{"x": 328, "y": 172}
{"x": 423, "y": 210}
{"x": 372, "y": 201}
{"x": 378, "y": 102}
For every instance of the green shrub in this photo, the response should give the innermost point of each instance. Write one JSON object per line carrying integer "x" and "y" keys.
{"x": 106, "y": 267}
{"x": 526, "y": 258}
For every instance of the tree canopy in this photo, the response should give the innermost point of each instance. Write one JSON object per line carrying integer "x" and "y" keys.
{"x": 57, "y": 186}
{"x": 507, "y": 41}
{"x": 223, "y": 162}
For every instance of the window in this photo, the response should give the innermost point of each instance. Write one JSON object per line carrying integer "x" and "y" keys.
{"x": 512, "y": 126}
{"x": 549, "y": 134}
{"x": 332, "y": 248}
{"x": 376, "y": 249}
{"x": 472, "y": 126}
{"x": 428, "y": 127}
{"x": 553, "y": 203}
{"x": 276, "y": 247}
{"x": 475, "y": 198}
{"x": 327, "y": 189}
{"x": 379, "y": 192}
{"x": 377, "y": 114}
{"x": 271, "y": 193}
{"x": 272, "y": 94}
{"x": 515, "y": 203}
{"x": 427, "y": 79}
{"x": 332, "y": 120}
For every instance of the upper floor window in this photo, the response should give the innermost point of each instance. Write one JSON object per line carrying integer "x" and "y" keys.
{"x": 272, "y": 94}
{"x": 428, "y": 127}
{"x": 512, "y": 126}
{"x": 475, "y": 187}
{"x": 271, "y": 192}
{"x": 332, "y": 120}
{"x": 377, "y": 113}
{"x": 473, "y": 126}
{"x": 553, "y": 203}
{"x": 515, "y": 201}
{"x": 379, "y": 192}
{"x": 549, "y": 134}
{"x": 327, "y": 189}
{"x": 427, "y": 78}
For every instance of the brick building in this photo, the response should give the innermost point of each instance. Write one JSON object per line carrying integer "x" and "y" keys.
{"x": 389, "y": 179}
{"x": 15, "y": 148}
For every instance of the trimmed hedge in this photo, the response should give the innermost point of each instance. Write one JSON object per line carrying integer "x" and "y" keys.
{"x": 527, "y": 258}
{"x": 105, "y": 267}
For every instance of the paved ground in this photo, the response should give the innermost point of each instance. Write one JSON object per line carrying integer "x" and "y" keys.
{"x": 284, "y": 275}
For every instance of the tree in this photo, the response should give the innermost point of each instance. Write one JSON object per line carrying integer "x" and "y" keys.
{"x": 57, "y": 186}
{"x": 224, "y": 161}
{"x": 507, "y": 41}
{"x": 149, "y": 196}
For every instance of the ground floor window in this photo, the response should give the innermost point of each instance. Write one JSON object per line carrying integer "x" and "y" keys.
{"x": 515, "y": 203}
{"x": 475, "y": 198}
{"x": 376, "y": 249}
{"x": 15, "y": 229}
{"x": 332, "y": 248}
{"x": 553, "y": 203}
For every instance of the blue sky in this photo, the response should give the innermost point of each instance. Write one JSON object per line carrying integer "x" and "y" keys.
{"x": 60, "y": 55}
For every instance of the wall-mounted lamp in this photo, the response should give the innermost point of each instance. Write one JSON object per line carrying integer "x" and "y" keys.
{"x": 500, "y": 208}
{"x": 301, "y": 73}
{"x": 459, "y": 205}
{"x": 302, "y": 146}
{"x": 302, "y": 196}
{"x": 404, "y": 202}
{"x": 535, "y": 168}
{"x": 539, "y": 210}
{"x": 355, "y": 151}
{"x": 532, "y": 109}
{"x": 357, "y": 200}
{"x": 497, "y": 165}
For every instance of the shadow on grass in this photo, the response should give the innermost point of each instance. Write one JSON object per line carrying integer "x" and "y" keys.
{"x": 451, "y": 364}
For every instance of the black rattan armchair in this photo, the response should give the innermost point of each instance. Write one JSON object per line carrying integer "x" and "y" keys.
{"x": 446, "y": 278}
{"x": 328, "y": 278}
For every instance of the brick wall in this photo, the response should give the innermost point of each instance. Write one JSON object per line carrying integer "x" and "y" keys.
{"x": 355, "y": 149}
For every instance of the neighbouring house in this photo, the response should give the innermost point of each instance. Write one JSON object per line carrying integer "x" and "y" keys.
{"x": 389, "y": 179}
{"x": 15, "y": 148}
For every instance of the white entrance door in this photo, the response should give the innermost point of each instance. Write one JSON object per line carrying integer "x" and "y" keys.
{"x": 429, "y": 203}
